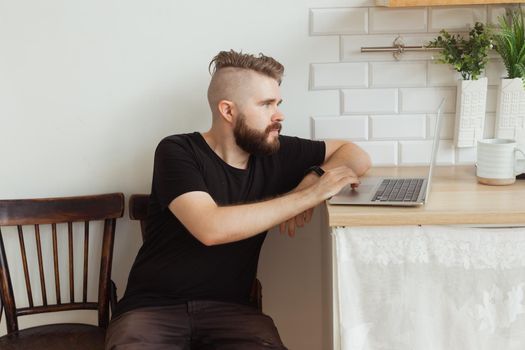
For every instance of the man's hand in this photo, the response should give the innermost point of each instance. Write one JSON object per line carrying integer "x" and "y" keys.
{"x": 297, "y": 221}
{"x": 309, "y": 180}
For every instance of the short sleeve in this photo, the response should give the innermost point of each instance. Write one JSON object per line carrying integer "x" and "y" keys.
{"x": 175, "y": 171}
{"x": 296, "y": 156}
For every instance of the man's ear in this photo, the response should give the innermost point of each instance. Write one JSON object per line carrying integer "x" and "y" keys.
{"x": 226, "y": 109}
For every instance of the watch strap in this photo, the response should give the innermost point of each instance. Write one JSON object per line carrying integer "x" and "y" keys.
{"x": 316, "y": 169}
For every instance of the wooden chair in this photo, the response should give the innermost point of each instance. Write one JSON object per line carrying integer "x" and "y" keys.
{"x": 138, "y": 210}
{"x": 52, "y": 219}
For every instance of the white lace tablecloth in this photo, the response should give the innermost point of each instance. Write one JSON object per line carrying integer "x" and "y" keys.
{"x": 431, "y": 288}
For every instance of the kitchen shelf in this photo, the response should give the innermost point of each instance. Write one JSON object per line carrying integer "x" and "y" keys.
{"x": 406, "y": 3}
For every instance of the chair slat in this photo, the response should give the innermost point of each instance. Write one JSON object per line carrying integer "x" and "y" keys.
{"x": 86, "y": 255}
{"x": 24, "y": 264}
{"x": 54, "y": 308}
{"x": 40, "y": 265}
{"x": 6, "y": 291}
{"x": 104, "y": 281}
{"x": 55, "y": 262}
{"x": 71, "y": 263}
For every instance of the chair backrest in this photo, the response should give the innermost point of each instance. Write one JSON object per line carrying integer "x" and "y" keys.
{"x": 138, "y": 210}
{"x": 56, "y": 217}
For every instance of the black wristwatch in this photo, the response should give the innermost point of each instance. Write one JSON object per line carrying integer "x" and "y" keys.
{"x": 316, "y": 169}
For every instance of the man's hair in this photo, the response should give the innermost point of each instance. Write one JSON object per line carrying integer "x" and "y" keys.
{"x": 262, "y": 64}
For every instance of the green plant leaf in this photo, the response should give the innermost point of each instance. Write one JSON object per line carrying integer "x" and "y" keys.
{"x": 467, "y": 56}
{"x": 510, "y": 42}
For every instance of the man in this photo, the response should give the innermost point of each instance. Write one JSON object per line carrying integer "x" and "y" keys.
{"x": 214, "y": 196}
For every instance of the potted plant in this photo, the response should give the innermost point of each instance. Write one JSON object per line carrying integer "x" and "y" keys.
{"x": 468, "y": 56}
{"x": 509, "y": 41}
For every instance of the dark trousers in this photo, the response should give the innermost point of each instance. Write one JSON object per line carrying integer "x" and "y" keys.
{"x": 202, "y": 325}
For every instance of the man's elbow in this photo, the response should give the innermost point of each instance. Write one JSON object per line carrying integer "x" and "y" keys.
{"x": 364, "y": 164}
{"x": 208, "y": 242}
{"x": 209, "y": 235}
{"x": 358, "y": 158}
{"x": 204, "y": 236}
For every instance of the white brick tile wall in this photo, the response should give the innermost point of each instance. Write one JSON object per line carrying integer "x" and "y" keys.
{"x": 407, "y": 20}
{"x": 495, "y": 12}
{"x": 351, "y": 47}
{"x": 319, "y": 102}
{"x": 324, "y": 49}
{"x": 466, "y": 155}
{"x": 456, "y": 17}
{"x": 441, "y": 74}
{"x": 398, "y": 74}
{"x": 339, "y": 21}
{"x": 492, "y": 95}
{"x": 382, "y": 153}
{"x": 447, "y": 126}
{"x": 446, "y": 152}
{"x": 415, "y": 152}
{"x": 345, "y": 127}
{"x": 427, "y": 100}
{"x": 373, "y": 101}
{"x": 339, "y": 75}
{"x": 398, "y": 126}
{"x": 490, "y": 122}
{"x": 389, "y": 106}
{"x": 419, "y": 152}
{"x": 495, "y": 71}
{"x": 493, "y": 54}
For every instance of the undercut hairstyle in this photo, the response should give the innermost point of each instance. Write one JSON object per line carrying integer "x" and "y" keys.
{"x": 262, "y": 64}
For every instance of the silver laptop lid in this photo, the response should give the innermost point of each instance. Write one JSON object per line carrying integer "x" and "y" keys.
{"x": 435, "y": 147}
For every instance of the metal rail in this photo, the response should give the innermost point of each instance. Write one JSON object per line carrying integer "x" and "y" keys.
{"x": 398, "y": 48}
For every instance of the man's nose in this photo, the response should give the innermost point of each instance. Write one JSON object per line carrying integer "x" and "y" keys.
{"x": 278, "y": 116}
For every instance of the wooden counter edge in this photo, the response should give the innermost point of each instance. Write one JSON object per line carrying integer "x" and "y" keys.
{"x": 449, "y": 218}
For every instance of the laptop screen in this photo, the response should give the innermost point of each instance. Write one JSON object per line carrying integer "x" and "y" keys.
{"x": 435, "y": 147}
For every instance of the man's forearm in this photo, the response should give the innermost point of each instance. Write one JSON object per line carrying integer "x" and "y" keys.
{"x": 216, "y": 224}
{"x": 234, "y": 223}
{"x": 351, "y": 155}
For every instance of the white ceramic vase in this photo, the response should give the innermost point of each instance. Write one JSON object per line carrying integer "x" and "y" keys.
{"x": 510, "y": 111}
{"x": 470, "y": 112}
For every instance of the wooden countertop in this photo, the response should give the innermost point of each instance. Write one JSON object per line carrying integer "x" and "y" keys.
{"x": 405, "y": 3}
{"x": 455, "y": 198}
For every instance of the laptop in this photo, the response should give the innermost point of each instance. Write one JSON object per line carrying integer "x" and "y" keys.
{"x": 393, "y": 191}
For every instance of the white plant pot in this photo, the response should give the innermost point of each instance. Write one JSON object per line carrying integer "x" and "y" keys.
{"x": 471, "y": 104}
{"x": 510, "y": 111}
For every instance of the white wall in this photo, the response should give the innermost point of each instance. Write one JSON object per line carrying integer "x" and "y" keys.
{"x": 87, "y": 89}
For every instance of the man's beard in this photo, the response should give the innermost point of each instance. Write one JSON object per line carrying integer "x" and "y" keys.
{"x": 253, "y": 141}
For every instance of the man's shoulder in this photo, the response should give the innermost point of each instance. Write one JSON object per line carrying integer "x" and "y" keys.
{"x": 180, "y": 138}
{"x": 286, "y": 140}
{"x": 296, "y": 148}
{"x": 178, "y": 144}
{"x": 184, "y": 141}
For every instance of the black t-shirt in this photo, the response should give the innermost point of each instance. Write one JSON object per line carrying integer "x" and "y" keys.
{"x": 172, "y": 266}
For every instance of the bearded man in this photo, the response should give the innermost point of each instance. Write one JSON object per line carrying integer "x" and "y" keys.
{"x": 214, "y": 196}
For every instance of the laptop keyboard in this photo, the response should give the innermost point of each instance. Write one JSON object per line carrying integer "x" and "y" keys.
{"x": 398, "y": 190}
